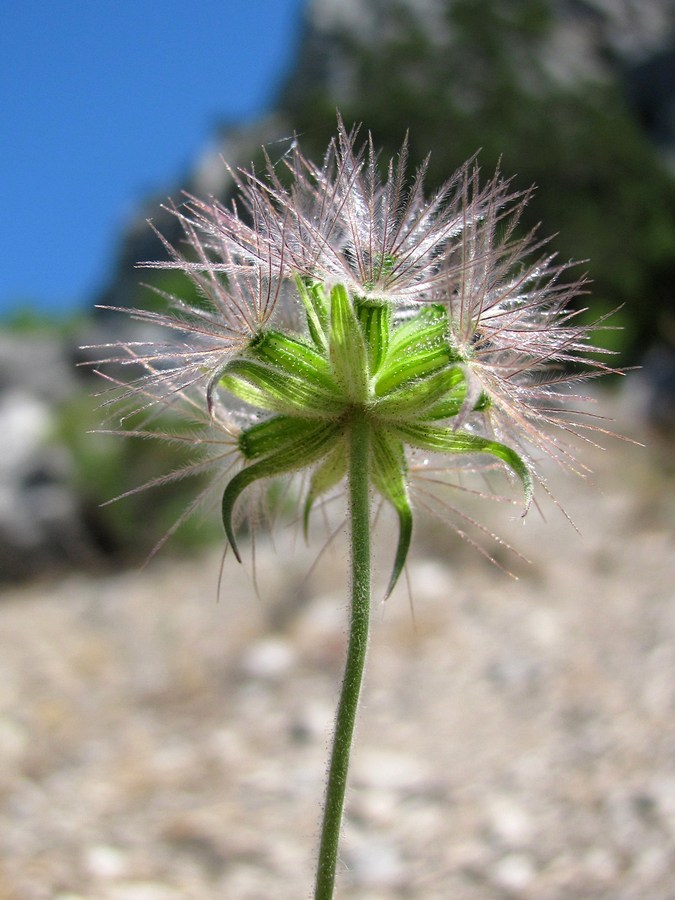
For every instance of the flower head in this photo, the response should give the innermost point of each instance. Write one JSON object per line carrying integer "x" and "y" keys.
{"x": 347, "y": 304}
{"x": 382, "y": 239}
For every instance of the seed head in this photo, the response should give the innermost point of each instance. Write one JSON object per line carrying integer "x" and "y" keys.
{"x": 330, "y": 294}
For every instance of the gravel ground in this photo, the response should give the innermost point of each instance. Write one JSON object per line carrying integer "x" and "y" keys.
{"x": 516, "y": 740}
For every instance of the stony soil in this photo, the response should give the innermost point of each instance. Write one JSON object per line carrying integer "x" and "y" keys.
{"x": 517, "y": 738}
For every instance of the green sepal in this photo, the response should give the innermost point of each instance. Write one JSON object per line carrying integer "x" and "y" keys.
{"x": 247, "y": 392}
{"x": 314, "y": 300}
{"x": 306, "y": 449}
{"x": 417, "y": 348}
{"x": 429, "y": 326}
{"x": 451, "y": 405}
{"x": 289, "y": 354}
{"x": 348, "y": 353}
{"x": 273, "y": 435}
{"x": 276, "y": 390}
{"x": 420, "y": 363}
{"x": 448, "y": 406}
{"x": 388, "y": 471}
{"x": 445, "y": 440}
{"x": 330, "y": 471}
{"x": 437, "y": 397}
{"x": 375, "y": 320}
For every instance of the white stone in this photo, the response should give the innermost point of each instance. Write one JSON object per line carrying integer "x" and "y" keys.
{"x": 268, "y": 659}
{"x": 510, "y": 822}
{"x": 385, "y": 770}
{"x": 514, "y": 872}
{"x": 374, "y": 863}
{"x": 142, "y": 890}
{"x": 104, "y": 861}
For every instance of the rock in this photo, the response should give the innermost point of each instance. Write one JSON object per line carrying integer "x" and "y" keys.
{"x": 384, "y": 770}
{"x": 268, "y": 660}
{"x": 41, "y": 367}
{"x": 514, "y": 872}
{"x": 39, "y": 520}
{"x": 510, "y": 823}
{"x": 41, "y": 523}
{"x": 373, "y": 862}
{"x": 142, "y": 890}
{"x": 652, "y": 391}
{"x": 104, "y": 861}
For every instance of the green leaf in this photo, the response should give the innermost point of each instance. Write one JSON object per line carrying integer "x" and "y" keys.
{"x": 276, "y": 390}
{"x": 305, "y": 450}
{"x": 314, "y": 300}
{"x": 432, "y": 318}
{"x": 388, "y": 471}
{"x": 348, "y": 353}
{"x": 419, "y": 363}
{"x": 438, "y": 396}
{"x": 375, "y": 319}
{"x": 289, "y": 354}
{"x": 247, "y": 392}
{"x": 429, "y": 325}
{"x": 330, "y": 471}
{"x": 417, "y": 348}
{"x": 445, "y": 440}
{"x": 274, "y": 434}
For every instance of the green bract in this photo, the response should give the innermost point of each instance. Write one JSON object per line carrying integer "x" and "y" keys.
{"x": 405, "y": 381}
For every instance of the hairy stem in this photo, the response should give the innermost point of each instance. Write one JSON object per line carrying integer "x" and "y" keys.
{"x": 359, "y": 509}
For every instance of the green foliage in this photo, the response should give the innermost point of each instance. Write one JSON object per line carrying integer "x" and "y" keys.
{"x": 107, "y": 466}
{"x": 164, "y": 283}
{"x": 26, "y": 319}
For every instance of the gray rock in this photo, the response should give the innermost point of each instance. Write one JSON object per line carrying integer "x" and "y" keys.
{"x": 592, "y": 40}
{"x": 42, "y": 366}
{"x": 40, "y": 519}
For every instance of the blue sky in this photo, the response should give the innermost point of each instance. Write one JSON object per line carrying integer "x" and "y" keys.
{"x": 104, "y": 101}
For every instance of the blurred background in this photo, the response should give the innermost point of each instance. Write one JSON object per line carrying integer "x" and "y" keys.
{"x": 110, "y": 112}
{"x": 540, "y": 764}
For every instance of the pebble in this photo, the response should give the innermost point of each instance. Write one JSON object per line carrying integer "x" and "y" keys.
{"x": 602, "y": 864}
{"x": 514, "y": 872}
{"x": 373, "y": 862}
{"x": 389, "y": 771}
{"x": 142, "y": 890}
{"x": 553, "y": 777}
{"x": 103, "y": 861}
{"x": 431, "y": 580}
{"x": 269, "y": 659}
{"x": 510, "y": 823}
{"x": 653, "y": 863}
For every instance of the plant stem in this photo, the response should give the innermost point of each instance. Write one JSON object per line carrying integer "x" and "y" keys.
{"x": 359, "y": 511}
